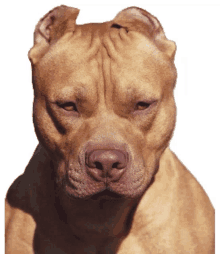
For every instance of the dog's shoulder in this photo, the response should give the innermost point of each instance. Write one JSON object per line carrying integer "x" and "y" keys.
{"x": 186, "y": 184}
{"x": 19, "y": 230}
{"x": 22, "y": 204}
{"x": 193, "y": 206}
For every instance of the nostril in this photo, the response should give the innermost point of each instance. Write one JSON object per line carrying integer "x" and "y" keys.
{"x": 115, "y": 165}
{"x": 98, "y": 165}
{"x": 118, "y": 165}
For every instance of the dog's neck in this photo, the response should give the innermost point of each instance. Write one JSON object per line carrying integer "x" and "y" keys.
{"x": 98, "y": 220}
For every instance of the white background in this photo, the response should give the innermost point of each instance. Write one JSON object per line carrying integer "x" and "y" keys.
{"x": 193, "y": 25}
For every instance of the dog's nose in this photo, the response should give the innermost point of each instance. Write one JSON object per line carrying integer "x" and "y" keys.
{"x": 106, "y": 164}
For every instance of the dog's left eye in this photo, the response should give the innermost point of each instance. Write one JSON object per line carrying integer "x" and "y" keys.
{"x": 68, "y": 106}
{"x": 141, "y": 105}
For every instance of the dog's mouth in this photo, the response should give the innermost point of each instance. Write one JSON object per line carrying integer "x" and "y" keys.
{"x": 106, "y": 195}
{"x": 103, "y": 194}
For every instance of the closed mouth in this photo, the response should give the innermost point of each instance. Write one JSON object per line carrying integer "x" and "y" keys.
{"x": 106, "y": 195}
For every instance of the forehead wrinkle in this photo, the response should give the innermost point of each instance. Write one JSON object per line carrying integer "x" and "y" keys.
{"x": 72, "y": 49}
{"x": 79, "y": 91}
{"x": 139, "y": 93}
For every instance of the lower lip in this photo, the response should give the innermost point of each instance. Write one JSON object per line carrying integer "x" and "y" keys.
{"x": 106, "y": 195}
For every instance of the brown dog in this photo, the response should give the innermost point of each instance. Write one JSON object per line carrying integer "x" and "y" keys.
{"x": 103, "y": 179}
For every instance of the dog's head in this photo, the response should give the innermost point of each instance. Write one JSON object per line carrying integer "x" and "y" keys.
{"x": 103, "y": 100}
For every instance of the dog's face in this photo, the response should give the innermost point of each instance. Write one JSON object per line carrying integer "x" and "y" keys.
{"x": 104, "y": 106}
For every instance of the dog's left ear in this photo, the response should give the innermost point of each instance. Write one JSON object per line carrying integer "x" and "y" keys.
{"x": 51, "y": 28}
{"x": 137, "y": 19}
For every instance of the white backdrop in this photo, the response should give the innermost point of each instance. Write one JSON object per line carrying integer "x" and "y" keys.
{"x": 193, "y": 25}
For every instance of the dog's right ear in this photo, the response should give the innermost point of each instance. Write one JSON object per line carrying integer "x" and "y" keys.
{"x": 137, "y": 19}
{"x": 50, "y": 28}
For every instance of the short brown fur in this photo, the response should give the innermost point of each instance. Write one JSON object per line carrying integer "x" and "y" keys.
{"x": 103, "y": 179}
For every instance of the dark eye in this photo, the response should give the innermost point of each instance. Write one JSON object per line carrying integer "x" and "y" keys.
{"x": 141, "y": 105}
{"x": 68, "y": 106}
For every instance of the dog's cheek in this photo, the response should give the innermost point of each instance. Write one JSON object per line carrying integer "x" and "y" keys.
{"x": 162, "y": 127}
{"x": 45, "y": 129}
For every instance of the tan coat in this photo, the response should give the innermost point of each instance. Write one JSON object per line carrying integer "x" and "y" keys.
{"x": 103, "y": 179}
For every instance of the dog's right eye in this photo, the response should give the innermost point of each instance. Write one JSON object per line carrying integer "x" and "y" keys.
{"x": 142, "y": 105}
{"x": 68, "y": 106}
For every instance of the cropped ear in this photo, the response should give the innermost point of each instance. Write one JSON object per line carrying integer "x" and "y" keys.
{"x": 137, "y": 19}
{"x": 51, "y": 28}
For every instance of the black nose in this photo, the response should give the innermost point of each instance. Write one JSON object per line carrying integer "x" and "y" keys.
{"x": 103, "y": 164}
